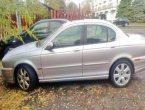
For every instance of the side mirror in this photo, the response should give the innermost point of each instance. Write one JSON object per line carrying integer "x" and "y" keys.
{"x": 49, "y": 46}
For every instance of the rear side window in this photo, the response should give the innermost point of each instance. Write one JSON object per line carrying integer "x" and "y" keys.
{"x": 99, "y": 34}
{"x": 96, "y": 34}
{"x": 111, "y": 35}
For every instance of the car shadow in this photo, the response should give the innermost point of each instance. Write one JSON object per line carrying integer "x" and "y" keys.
{"x": 70, "y": 85}
{"x": 74, "y": 84}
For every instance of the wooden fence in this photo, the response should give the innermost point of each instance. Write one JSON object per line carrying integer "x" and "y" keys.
{"x": 73, "y": 14}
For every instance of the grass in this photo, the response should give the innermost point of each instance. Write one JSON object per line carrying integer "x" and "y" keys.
{"x": 137, "y": 24}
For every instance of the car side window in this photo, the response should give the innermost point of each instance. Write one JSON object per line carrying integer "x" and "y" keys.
{"x": 96, "y": 34}
{"x": 54, "y": 25}
{"x": 111, "y": 35}
{"x": 40, "y": 28}
{"x": 69, "y": 37}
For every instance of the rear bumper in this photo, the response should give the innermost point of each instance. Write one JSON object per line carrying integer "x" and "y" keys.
{"x": 8, "y": 75}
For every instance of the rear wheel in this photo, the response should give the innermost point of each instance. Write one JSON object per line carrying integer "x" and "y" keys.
{"x": 121, "y": 73}
{"x": 26, "y": 78}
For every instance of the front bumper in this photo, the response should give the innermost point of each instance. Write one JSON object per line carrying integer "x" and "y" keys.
{"x": 8, "y": 75}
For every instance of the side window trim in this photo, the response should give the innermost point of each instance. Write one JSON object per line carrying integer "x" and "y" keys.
{"x": 83, "y": 35}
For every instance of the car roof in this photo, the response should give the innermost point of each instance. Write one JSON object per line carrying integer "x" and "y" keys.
{"x": 88, "y": 21}
{"x": 47, "y": 20}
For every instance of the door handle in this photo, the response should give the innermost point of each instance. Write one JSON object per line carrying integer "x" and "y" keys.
{"x": 76, "y": 50}
{"x": 113, "y": 47}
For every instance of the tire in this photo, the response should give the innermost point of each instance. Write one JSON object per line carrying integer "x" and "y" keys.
{"x": 126, "y": 24}
{"x": 123, "y": 25}
{"x": 26, "y": 78}
{"x": 121, "y": 73}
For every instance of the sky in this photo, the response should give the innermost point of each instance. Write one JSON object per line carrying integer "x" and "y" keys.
{"x": 76, "y": 1}
{"x": 68, "y": 1}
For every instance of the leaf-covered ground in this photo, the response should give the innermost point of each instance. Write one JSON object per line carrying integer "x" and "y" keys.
{"x": 83, "y": 95}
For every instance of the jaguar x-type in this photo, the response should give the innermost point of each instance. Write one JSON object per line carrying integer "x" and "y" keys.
{"x": 78, "y": 50}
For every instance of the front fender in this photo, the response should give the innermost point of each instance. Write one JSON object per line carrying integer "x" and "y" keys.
{"x": 34, "y": 65}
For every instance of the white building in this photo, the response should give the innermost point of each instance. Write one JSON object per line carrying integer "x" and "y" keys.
{"x": 105, "y": 8}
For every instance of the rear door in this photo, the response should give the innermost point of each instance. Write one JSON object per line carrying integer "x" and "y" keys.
{"x": 97, "y": 50}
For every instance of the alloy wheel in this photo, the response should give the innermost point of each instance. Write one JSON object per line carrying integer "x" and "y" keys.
{"x": 23, "y": 79}
{"x": 122, "y": 74}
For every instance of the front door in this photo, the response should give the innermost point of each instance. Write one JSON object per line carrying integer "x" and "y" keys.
{"x": 65, "y": 59}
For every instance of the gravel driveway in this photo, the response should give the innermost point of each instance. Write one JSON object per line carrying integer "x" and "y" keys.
{"x": 79, "y": 95}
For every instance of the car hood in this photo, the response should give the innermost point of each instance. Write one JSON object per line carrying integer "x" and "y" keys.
{"x": 24, "y": 49}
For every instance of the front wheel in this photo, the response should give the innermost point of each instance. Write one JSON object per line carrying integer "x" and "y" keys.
{"x": 121, "y": 73}
{"x": 26, "y": 78}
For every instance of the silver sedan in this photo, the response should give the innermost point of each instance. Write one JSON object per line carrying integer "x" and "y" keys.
{"x": 79, "y": 50}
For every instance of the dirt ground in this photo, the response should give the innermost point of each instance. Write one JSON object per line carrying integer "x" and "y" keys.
{"x": 78, "y": 95}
